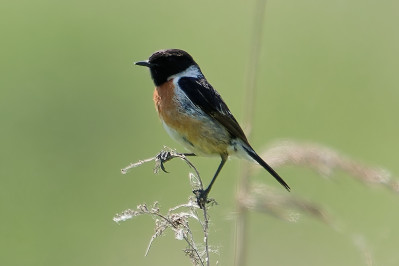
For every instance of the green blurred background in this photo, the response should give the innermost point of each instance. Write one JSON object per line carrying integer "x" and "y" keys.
{"x": 74, "y": 110}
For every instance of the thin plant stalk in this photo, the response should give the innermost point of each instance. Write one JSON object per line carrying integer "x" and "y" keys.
{"x": 243, "y": 186}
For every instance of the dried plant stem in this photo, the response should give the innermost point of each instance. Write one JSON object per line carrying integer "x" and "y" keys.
{"x": 326, "y": 161}
{"x": 176, "y": 221}
{"x": 191, "y": 245}
{"x": 205, "y": 227}
{"x": 242, "y": 212}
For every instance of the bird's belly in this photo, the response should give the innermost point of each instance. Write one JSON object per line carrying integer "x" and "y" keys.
{"x": 199, "y": 135}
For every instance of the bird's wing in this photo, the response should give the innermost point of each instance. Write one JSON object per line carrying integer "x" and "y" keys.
{"x": 202, "y": 94}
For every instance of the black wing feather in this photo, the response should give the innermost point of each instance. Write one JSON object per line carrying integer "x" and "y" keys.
{"x": 202, "y": 94}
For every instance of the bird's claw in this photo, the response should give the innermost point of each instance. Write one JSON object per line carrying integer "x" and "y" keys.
{"x": 162, "y": 158}
{"x": 202, "y": 198}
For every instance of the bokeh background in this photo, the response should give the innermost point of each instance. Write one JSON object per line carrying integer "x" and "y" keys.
{"x": 74, "y": 110}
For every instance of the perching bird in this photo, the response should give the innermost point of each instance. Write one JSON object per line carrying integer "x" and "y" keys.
{"x": 194, "y": 114}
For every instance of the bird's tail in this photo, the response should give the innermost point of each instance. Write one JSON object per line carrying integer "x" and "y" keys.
{"x": 256, "y": 157}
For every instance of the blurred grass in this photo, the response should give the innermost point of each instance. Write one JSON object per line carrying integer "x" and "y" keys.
{"x": 74, "y": 110}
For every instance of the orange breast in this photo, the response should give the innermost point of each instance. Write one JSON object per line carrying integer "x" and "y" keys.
{"x": 164, "y": 99}
{"x": 170, "y": 112}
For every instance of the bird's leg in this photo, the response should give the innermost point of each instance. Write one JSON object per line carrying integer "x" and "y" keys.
{"x": 202, "y": 195}
{"x": 188, "y": 154}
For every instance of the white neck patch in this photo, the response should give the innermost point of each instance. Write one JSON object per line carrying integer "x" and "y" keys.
{"x": 190, "y": 72}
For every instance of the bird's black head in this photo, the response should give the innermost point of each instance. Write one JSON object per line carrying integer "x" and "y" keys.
{"x": 166, "y": 63}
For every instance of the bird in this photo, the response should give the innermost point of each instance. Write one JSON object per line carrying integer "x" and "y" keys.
{"x": 195, "y": 115}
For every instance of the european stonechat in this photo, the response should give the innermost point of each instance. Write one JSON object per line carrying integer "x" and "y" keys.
{"x": 194, "y": 114}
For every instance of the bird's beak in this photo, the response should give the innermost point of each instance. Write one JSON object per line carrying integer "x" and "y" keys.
{"x": 143, "y": 63}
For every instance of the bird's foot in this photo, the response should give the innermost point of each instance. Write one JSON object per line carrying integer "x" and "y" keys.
{"x": 202, "y": 198}
{"x": 162, "y": 158}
